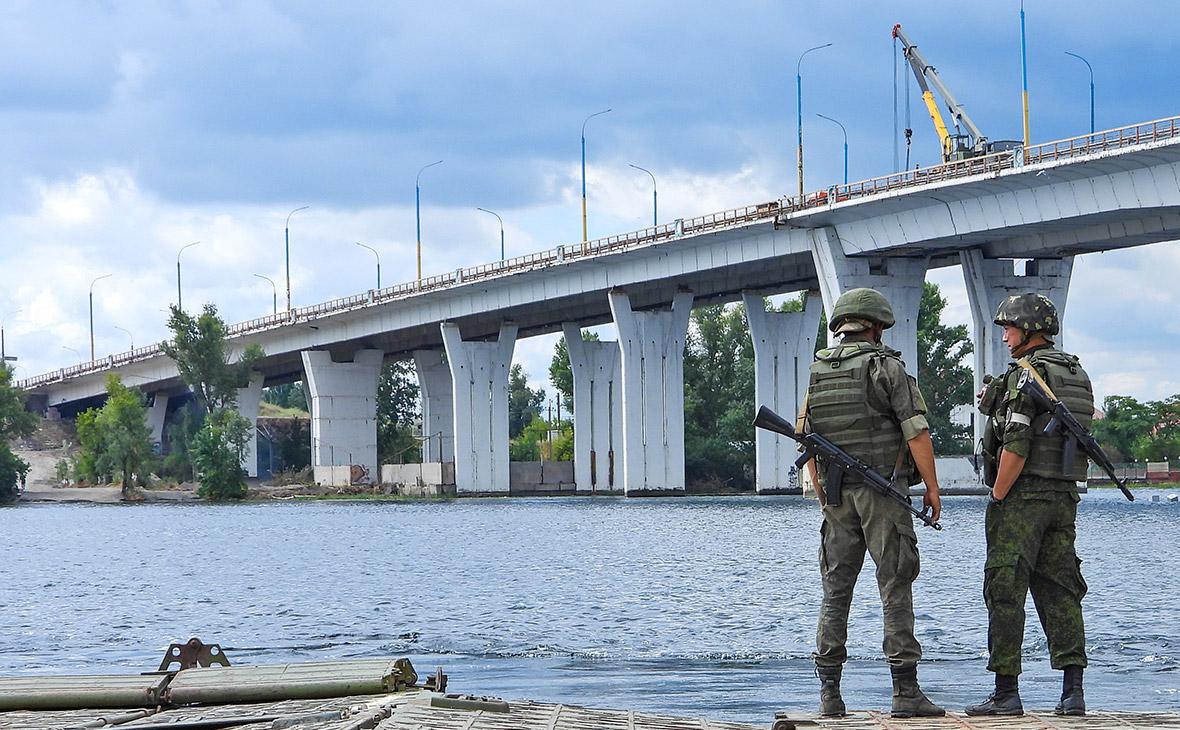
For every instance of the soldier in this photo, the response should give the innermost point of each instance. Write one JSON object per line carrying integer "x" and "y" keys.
{"x": 860, "y": 397}
{"x": 1030, "y": 518}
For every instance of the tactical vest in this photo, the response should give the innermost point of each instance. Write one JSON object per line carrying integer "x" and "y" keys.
{"x": 838, "y": 407}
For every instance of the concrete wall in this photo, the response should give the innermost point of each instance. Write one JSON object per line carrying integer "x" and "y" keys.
{"x": 541, "y": 476}
{"x": 434, "y": 473}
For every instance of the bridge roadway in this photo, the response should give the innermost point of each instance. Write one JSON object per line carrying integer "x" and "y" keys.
{"x": 1046, "y": 203}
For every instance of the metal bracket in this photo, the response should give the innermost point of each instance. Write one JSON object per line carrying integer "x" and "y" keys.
{"x": 193, "y": 653}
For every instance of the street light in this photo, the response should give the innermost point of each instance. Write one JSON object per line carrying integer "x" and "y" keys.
{"x": 274, "y": 293}
{"x": 799, "y": 107}
{"x": 96, "y": 280}
{"x": 595, "y": 114}
{"x": 418, "y": 211}
{"x": 501, "y": 230}
{"x": 3, "y": 355}
{"x": 182, "y": 248}
{"x": 67, "y": 347}
{"x": 1091, "y": 70}
{"x": 378, "y": 260}
{"x": 845, "y": 131}
{"x": 128, "y": 333}
{"x": 654, "y": 209}
{"x": 287, "y": 250}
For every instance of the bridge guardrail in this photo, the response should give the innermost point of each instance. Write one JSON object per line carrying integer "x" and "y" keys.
{"x": 1118, "y": 138}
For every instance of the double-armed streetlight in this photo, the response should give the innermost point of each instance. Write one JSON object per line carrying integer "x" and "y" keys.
{"x": 287, "y": 250}
{"x": 845, "y": 132}
{"x": 96, "y": 280}
{"x": 799, "y": 107}
{"x": 595, "y": 114}
{"x": 654, "y": 202}
{"x": 179, "y": 304}
{"x": 1091, "y": 70}
{"x": 3, "y": 355}
{"x": 501, "y": 229}
{"x": 418, "y": 211}
{"x": 378, "y": 260}
{"x": 274, "y": 293}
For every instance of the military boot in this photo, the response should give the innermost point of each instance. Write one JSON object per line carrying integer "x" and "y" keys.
{"x": 908, "y": 700}
{"x": 831, "y": 704}
{"x": 1004, "y": 701}
{"x": 1073, "y": 700}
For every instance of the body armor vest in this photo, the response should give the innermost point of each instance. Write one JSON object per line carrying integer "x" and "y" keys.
{"x": 839, "y": 408}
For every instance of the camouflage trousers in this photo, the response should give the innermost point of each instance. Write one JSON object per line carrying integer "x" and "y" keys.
{"x": 1030, "y": 547}
{"x": 867, "y": 521}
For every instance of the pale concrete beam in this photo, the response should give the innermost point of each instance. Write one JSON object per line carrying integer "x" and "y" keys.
{"x": 989, "y": 282}
{"x": 652, "y": 358}
{"x": 438, "y": 410}
{"x": 784, "y": 343}
{"x": 156, "y": 415}
{"x": 900, "y": 280}
{"x": 343, "y": 399}
{"x": 479, "y": 371}
{"x": 598, "y": 411}
{"x": 249, "y": 401}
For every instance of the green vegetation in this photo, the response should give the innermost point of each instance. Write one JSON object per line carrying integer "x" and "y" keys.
{"x": 943, "y": 374}
{"x": 15, "y": 422}
{"x": 1131, "y": 430}
{"x": 125, "y": 442}
{"x": 217, "y": 453}
{"x": 290, "y": 397}
{"x": 524, "y": 403}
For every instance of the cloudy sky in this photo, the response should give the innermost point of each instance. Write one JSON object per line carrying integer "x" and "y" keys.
{"x": 131, "y": 129}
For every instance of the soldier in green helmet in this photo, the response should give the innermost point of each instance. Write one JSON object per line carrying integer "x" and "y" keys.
{"x": 860, "y": 397}
{"x": 1030, "y": 524}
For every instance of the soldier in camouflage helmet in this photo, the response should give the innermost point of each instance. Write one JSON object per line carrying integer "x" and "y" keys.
{"x": 860, "y": 397}
{"x": 1030, "y": 524}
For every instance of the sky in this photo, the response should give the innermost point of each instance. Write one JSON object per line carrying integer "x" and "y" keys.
{"x": 131, "y": 129}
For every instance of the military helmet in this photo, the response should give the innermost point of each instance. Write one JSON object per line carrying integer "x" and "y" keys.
{"x": 856, "y": 307}
{"x": 1031, "y": 313}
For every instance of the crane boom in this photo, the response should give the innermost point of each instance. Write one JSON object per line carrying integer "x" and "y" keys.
{"x": 953, "y": 146}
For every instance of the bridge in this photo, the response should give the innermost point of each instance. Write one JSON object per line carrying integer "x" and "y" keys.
{"x": 1038, "y": 206}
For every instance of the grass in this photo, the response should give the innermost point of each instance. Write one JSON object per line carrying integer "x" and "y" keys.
{"x": 270, "y": 410}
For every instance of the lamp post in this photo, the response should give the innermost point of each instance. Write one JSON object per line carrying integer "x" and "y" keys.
{"x": 67, "y": 347}
{"x": 378, "y": 260}
{"x": 274, "y": 293}
{"x": 287, "y": 251}
{"x": 595, "y": 114}
{"x": 799, "y": 107}
{"x": 418, "y": 211}
{"x": 128, "y": 333}
{"x": 1091, "y": 70}
{"x": 3, "y": 354}
{"x": 96, "y": 280}
{"x": 179, "y": 305}
{"x": 845, "y": 131}
{"x": 654, "y": 208}
{"x": 501, "y": 229}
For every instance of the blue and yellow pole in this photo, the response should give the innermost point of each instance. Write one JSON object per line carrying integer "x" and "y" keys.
{"x": 1024, "y": 76}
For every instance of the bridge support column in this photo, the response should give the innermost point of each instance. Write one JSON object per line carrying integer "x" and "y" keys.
{"x": 438, "y": 410}
{"x": 343, "y": 415}
{"x": 989, "y": 282}
{"x": 899, "y": 279}
{"x": 783, "y": 347}
{"x": 479, "y": 371}
{"x": 652, "y": 358}
{"x": 249, "y": 400}
{"x": 598, "y": 413}
{"x": 156, "y": 415}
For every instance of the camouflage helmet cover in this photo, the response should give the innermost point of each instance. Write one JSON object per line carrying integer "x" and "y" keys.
{"x": 861, "y": 304}
{"x": 1031, "y": 313}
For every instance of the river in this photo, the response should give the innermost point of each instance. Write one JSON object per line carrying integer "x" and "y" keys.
{"x": 696, "y": 605}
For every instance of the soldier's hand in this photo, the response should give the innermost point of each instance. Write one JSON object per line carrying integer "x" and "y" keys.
{"x": 933, "y": 501}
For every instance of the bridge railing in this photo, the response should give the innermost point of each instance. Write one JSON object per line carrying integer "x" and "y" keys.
{"x": 1110, "y": 139}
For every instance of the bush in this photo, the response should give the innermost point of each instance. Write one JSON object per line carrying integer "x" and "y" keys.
{"x": 13, "y": 471}
{"x": 217, "y": 453}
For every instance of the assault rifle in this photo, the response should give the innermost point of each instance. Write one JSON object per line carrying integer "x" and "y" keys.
{"x": 1034, "y": 386}
{"x": 840, "y": 462}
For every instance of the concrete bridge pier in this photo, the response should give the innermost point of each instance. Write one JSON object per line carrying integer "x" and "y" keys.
{"x": 899, "y": 279}
{"x": 343, "y": 414}
{"x": 438, "y": 409}
{"x": 784, "y": 343}
{"x": 652, "y": 365}
{"x": 156, "y": 415}
{"x": 479, "y": 371}
{"x": 598, "y": 411}
{"x": 989, "y": 282}
{"x": 249, "y": 400}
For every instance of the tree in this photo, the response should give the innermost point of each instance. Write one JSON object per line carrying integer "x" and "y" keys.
{"x": 90, "y": 465}
{"x": 524, "y": 403}
{"x": 15, "y": 422}
{"x": 217, "y": 452}
{"x": 946, "y": 381}
{"x": 561, "y": 373}
{"x": 126, "y": 440}
{"x": 398, "y": 412}
{"x": 201, "y": 352}
{"x": 287, "y": 395}
{"x": 1124, "y": 423}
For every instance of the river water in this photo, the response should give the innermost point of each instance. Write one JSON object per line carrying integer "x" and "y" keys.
{"x": 702, "y": 606}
